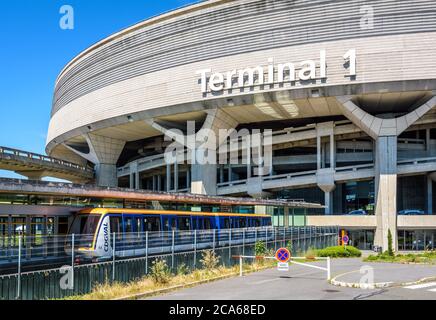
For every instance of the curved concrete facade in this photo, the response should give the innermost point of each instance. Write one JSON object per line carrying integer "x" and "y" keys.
{"x": 327, "y": 77}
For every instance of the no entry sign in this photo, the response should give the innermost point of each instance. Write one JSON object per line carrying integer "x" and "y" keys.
{"x": 345, "y": 239}
{"x": 283, "y": 255}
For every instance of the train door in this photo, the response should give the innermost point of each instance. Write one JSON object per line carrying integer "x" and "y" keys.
{"x": 200, "y": 223}
{"x": 129, "y": 229}
{"x": 235, "y": 223}
{"x": 169, "y": 223}
{"x": 116, "y": 225}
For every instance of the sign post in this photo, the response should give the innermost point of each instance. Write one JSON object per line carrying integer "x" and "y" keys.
{"x": 345, "y": 240}
{"x": 283, "y": 255}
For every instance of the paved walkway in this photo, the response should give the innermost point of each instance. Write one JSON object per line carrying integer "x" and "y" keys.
{"x": 302, "y": 283}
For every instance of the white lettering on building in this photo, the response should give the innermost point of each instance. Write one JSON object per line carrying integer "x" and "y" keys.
{"x": 304, "y": 71}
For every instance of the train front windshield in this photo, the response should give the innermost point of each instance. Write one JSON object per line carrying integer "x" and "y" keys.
{"x": 85, "y": 224}
{"x": 84, "y": 227}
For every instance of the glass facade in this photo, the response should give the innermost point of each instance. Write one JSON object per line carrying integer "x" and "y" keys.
{"x": 415, "y": 240}
{"x": 361, "y": 239}
{"x": 354, "y": 195}
{"x": 411, "y": 193}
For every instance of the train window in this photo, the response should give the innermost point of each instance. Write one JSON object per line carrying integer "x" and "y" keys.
{"x": 200, "y": 223}
{"x": 258, "y": 223}
{"x": 151, "y": 224}
{"x": 115, "y": 223}
{"x": 128, "y": 224}
{"x": 242, "y": 223}
{"x": 166, "y": 223}
{"x": 85, "y": 224}
{"x": 207, "y": 224}
{"x": 194, "y": 223}
{"x": 169, "y": 223}
{"x": 137, "y": 222}
{"x": 226, "y": 223}
{"x": 184, "y": 223}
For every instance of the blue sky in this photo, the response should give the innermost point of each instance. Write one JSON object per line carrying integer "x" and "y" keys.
{"x": 34, "y": 49}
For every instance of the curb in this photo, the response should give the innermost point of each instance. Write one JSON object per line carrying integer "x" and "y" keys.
{"x": 376, "y": 285}
{"x": 182, "y": 286}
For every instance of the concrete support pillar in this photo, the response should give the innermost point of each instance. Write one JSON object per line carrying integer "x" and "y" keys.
{"x": 429, "y": 195}
{"x": 168, "y": 176}
{"x": 286, "y": 217}
{"x": 154, "y": 183}
{"x": 188, "y": 178}
{"x": 138, "y": 181}
{"x": 386, "y": 190}
{"x": 106, "y": 175}
{"x": 230, "y": 173}
{"x": 176, "y": 177}
{"x": 104, "y": 152}
{"x": 427, "y": 141}
{"x": 159, "y": 183}
{"x": 318, "y": 152}
{"x": 328, "y": 202}
{"x": 204, "y": 176}
{"x": 221, "y": 173}
{"x": 332, "y": 151}
{"x": 132, "y": 180}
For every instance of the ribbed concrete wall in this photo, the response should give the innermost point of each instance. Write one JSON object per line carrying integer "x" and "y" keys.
{"x": 154, "y": 66}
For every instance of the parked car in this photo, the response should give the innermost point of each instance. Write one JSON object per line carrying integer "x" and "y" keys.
{"x": 359, "y": 212}
{"x": 411, "y": 212}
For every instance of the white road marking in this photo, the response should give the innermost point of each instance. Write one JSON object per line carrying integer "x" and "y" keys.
{"x": 432, "y": 290}
{"x": 422, "y": 286}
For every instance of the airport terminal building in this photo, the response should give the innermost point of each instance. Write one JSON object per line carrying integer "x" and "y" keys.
{"x": 343, "y": 90}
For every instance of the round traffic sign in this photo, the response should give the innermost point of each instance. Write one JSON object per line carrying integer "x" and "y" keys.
{"x": 283, "y": 255}
{"x": 345, "y": 239}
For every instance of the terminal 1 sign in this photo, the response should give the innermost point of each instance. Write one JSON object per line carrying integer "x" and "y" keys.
{"x": 271, "y": 74}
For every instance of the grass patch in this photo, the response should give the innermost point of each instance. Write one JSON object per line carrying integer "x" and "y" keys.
{"x": 428, "y": 257}
{"x": 160, "y": 278}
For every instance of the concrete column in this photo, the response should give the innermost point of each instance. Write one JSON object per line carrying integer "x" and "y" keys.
{"x": 332, "y": 151}
{"x": 318, "y": 152}
{"x": 154, "y": 183}
{"x": 386, "y": 190}
{"x": 230, "y": 173}
{"x": 159, "y": 183}
{"x": 427, "y": 141}
{"x": 137, "y": 181}
{"x": 429, "y": 195}
{"x": 221, "y": 173}
{"x": 188, "y": 178}
{"x": 204, "y": 178}
{"x": 328, "y": 202}
{"x": 176, "y": 177}
{"x": 105, "y": 151}
{"x": 132, "y": 180}
{"x": 106, "y": 175}
{"x": 168, "y": 176}
{"x": 286, "y": 217}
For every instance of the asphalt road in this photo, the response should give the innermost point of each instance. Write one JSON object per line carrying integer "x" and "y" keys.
{"x": 302, "y": 283}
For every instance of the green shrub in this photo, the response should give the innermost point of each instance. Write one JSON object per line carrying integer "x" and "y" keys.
{"x": 260, "y": 248}
{"x": 160, "y": 272}
{"x": 182, "y": 269}
{"x": 210, "y": 260}
{"x": 339, "y": 252}
{"x": 390, "y": 248}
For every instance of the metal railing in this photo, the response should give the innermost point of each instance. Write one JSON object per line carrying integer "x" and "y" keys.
{"x": 131, "y": 256}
